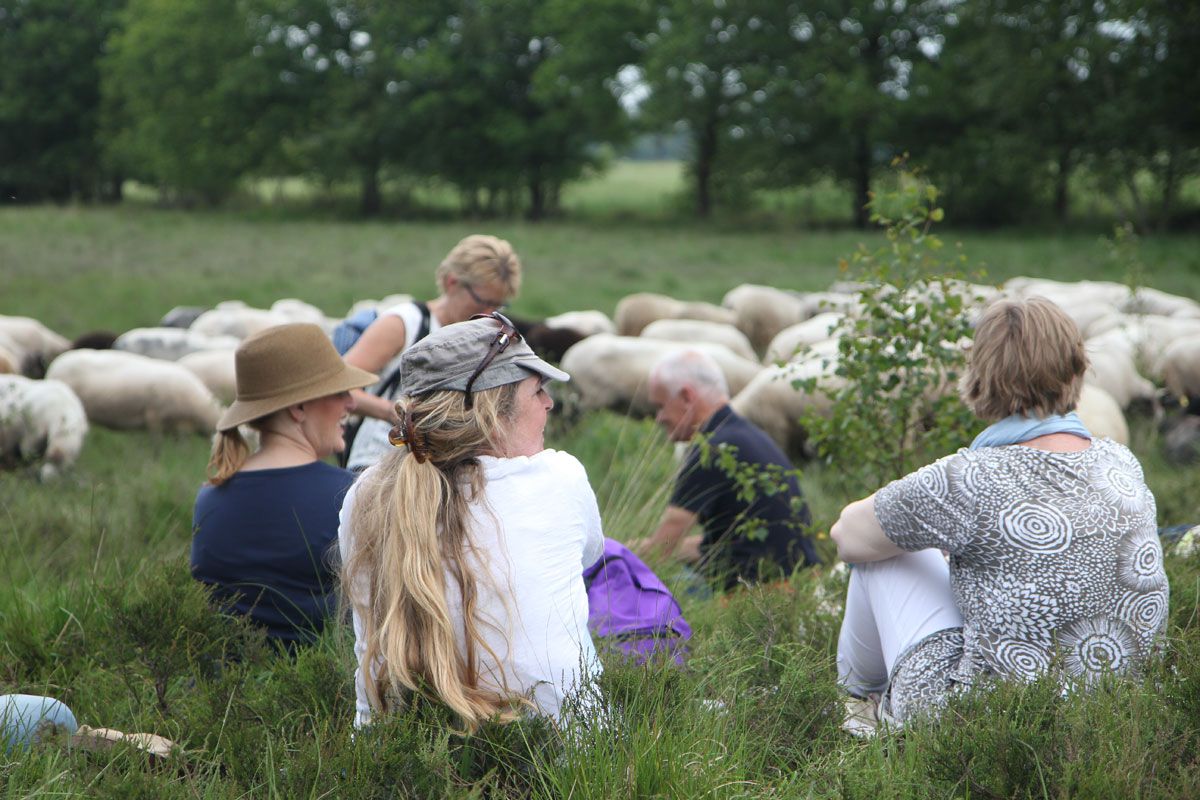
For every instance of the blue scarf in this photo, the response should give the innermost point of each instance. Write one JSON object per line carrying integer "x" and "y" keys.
{"x": 1019, "y": 428}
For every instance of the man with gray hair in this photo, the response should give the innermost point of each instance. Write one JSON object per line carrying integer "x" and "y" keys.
{"x": 735, "y": 481}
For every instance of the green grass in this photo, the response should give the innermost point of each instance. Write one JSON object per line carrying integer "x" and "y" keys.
{"x": 96, "y": 605}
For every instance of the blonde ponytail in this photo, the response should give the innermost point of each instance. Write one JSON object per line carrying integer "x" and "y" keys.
{"x": 410, "y": 525}
{"x": 229, "y": 452}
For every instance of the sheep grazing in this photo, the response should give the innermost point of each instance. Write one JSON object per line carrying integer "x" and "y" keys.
{"x": 588, "y": 323}
{"x": 216, "y": 369}
{"x": 298, "y": 311}
{"x": 636, "y": 311}
{"x": 1145, "y": 300}
{"x": 695, "y": 330}
{"x": 761, "y": 312}
{"x": 94, "y": 340}
{"x": 181, "y": 316}
{"x": 1101, "y": 415}
{"x": 773, "y": 403}
{"x": 171, "y": 344}
{"x": 613, "y": 371}
{"x": 236, "y": 319}
{"x": 27, "y": 346}
{"x": 1181, "y": 370}
{"x": 130, "y": 391}
{"x": 379, "y": 305}
{"x": 795, "y": 338}
{"x": 40, "y": 421}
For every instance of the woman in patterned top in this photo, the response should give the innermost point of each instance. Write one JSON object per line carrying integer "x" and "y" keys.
{"x": 1035, "y": 549}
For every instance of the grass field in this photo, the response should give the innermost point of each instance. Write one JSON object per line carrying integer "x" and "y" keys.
{"x": 97, "y": 607}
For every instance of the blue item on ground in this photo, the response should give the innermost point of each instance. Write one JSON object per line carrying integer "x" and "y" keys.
{"x": 23, "y": 715}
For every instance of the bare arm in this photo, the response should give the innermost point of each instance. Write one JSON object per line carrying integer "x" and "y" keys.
{"x": 859, "y": 536}
{"x": 670, "y": 538}
{"x": 378, "y": 345}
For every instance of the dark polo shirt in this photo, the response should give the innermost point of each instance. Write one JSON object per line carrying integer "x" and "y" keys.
{"x": 739, "y": 533}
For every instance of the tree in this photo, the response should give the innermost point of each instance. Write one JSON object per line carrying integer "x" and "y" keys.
{"x": 50, "y": 98}
{"x": 190, "y": 107}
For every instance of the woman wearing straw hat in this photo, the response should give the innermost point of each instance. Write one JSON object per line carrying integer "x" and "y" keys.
{"x": 265, "y": 521}
{"x": 463, "y": 548}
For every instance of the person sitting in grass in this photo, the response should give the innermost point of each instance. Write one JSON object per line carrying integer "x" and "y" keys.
{"x": 463, "y": 549}
{"x": 1034, "y": 550}
{"x": 481, "y": 274}
{"x": 741, "y": 534}
{"x": 265, "y": 522}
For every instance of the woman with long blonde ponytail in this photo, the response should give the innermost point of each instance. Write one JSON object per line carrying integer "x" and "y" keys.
{"x": 463, "y": 548}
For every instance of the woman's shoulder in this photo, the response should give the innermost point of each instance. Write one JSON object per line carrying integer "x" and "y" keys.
{"x": 549, "y": 465}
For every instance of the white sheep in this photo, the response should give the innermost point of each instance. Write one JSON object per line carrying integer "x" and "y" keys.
{"x": 792, "y": 339}
{"x": 216, "y": 369}
{"x": 298, "y": 311}
{"x": 588, "y": 323}
{"x": 239, "y": 320}
{"x": 40, "y": 420}
{"x": 1181, "y": 369}
{"x": 379, "y": 305}
{"x": 1147, "y": 339}
{"x": 761, "y": 312}
{"x": 30, "y": 343}
{"x": 1101, "y": 415}
{"x": 773, "y": 403}
{"x": 613, "y": 371}
{"x": 171, "y": 344}
{"x": 1114, "y": 370}
{"x": 634, "y": 312}
{"x": 695, "y": 330}
{"x": 1146, "y": 300}
{"x": 129, "y": 391}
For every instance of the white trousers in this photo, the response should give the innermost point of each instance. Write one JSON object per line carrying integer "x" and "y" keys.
{"x": 891, "y": 605}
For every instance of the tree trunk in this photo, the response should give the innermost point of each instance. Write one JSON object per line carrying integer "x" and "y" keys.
{"x": 1170, "y": 187}
{"x": 371, "y": 200}
{"x": 862, "y": 179}
{"x": 1062, "y": 197}
{"x": 537, "y": 199}
{"x": 706, "y": 154}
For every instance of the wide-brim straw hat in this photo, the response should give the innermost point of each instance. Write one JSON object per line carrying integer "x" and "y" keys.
{"x": 285, "y": 365}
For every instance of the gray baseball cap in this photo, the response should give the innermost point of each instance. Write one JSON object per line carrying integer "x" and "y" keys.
{"x": 447, "y": 358}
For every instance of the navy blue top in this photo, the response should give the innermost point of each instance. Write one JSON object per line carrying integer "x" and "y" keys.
{"x": 738, "y": 533}
{"x": 264, "y": 540}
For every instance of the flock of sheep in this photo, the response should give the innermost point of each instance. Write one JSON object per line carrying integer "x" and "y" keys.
{"x": 177, "y": 376}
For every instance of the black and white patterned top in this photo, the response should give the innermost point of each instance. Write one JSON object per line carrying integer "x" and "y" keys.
{"x": 1054, "y": 560}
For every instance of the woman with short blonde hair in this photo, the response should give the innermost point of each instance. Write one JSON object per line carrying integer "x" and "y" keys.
{"x": 463, "y": 548}
{"x": 480, "y": 274}
{"x": 1035, "y": 551}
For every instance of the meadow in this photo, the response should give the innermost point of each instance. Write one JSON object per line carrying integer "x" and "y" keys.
{"x": 97, "y": 606}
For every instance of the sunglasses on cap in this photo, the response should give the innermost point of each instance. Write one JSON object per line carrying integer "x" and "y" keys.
{"x": 507, "y": 334}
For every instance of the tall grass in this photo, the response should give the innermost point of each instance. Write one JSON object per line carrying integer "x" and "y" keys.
{"x": 97, "y": 606}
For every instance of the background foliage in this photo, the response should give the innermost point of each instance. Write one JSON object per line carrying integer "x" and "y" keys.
{"x": 1009, "y": 103}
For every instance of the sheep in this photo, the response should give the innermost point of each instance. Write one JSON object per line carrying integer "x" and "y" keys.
{"x": 298, "y": 311}
{"x": 587, "y": 323}
{"x": 181, "y": 316}
{"x": 170, "y": 344}
{"x": 231, "y": 319}
{"x": 31, "y": 343}
{"x": 1181, "y": 369}
{"x": 1112, "y": 369}
{"x": 10, "y": 357}
{"x": 94, "y": 340}
{"x": 130, "y": 391}
{"x": 1145, "y": 300}
{"x": 1101, "y": 292}
{"x": 761, "y": 312}
{"x": 794, "y": 338}
{"x": 379, "y": 305}
{"x": 1147, "y": 338}
{"x": 216, "y": 369}
{"x": 1101, "y": 415}
{"x": 694, "y": 330}
{"x": 612, "y": 371}
{"x": 636, "y": 311}
{"x": 40, "y": 420}
{"x": 773, "y": 403}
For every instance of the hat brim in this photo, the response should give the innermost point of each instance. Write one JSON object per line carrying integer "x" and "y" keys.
{"x": 243, "y": 411}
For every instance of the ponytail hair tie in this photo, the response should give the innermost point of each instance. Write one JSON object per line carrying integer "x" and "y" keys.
{"x": 404, "y": 434}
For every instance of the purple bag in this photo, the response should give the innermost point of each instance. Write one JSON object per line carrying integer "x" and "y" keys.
{"x": 631, "y": 607}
